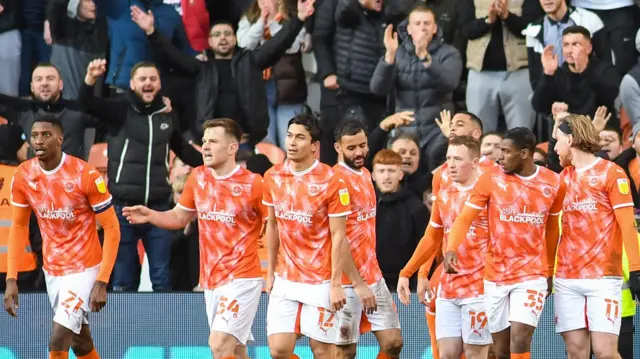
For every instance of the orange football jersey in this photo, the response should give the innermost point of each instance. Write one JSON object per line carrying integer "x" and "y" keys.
{"x": 361, "y": 223}
{"x": 303, "y": 202}
{"x": 65, "y": 200}
{"x": 469, "y": 281}
{"x": 591, "y": 242}
{"x": 230, "y": 217}
{"x": 518, "y": 208}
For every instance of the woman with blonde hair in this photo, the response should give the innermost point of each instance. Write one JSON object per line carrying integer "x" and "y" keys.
{"x": 285, "y": 82}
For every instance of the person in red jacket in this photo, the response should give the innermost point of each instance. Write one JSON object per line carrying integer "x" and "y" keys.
{"x": 195, "y": 18}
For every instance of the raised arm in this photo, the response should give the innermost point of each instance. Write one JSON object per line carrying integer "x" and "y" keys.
{"x": 271, "y": 51}
{"x": 161, "y": 44}
{"x": 323, "y": 32}
{"x": 110, "y": 111}
{"x": 384, "y": 76}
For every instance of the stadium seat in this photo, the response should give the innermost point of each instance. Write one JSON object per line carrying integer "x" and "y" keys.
{"x": 543, "y": 146}
{"x": 98, "y": 156}
{"x": 98, "y": 159}
{"x": 273, "y": 152}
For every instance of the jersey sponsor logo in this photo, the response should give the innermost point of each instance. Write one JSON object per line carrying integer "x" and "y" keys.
{"x": 56, "y": 213}
{"x": 227, "y": 217}
{"x": 504, "y": 186}
{"x": 313, "y": 190}
{"x": 512, "y": 215}
{"x": 292, "y": 215}
{"x": 344, "y": 197}
{"x": 623, "y": 185}
{"x": 588, "y": 205}
{"x": 102, "y": 187}
{"x": 366, "y": 214}
{"x": 33, "y": 185}
{"x": 68, "y": 186}
{"x": 164, "y": 126}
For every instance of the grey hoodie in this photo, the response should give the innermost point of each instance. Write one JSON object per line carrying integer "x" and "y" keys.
{"x": 425, "y": 90}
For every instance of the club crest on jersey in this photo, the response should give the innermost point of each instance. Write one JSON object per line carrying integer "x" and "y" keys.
{"x": 68, "y": 186}
{"x": 344, "y": 197}
{"x": 236, "y": 191}
{"x": 623, "y": 185}
{"x": 593, "y": 181}
{"x": 102, "y": 187}
{"x": 547, "y": 192}
{"x": 313, "y": 190}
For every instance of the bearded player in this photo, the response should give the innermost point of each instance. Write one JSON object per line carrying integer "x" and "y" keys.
{"x": 352, "y": 147}
{"x": 307, "y": 247}
{"x": 70, "y": 198}
{"x": 597, "y": 221}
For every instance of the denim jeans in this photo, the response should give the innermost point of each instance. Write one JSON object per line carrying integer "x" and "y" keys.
{"x": 157, "y": 245}
{"x": 279, "y": 116}
{"x": 34, "y": 51}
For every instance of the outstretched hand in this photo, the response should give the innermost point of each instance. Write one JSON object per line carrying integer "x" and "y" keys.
{"x": 144, "y": 20}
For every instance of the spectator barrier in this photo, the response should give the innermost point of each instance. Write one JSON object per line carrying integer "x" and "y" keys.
{"x": 174, "y": 326}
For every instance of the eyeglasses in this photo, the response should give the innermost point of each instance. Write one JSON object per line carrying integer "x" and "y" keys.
{"x": 218, "y": 33}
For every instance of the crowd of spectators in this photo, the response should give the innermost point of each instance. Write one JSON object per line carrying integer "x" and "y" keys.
{"x": 142, "y": 76}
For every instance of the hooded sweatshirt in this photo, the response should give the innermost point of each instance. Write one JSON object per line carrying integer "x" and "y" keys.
{"x": 401, "y": 219}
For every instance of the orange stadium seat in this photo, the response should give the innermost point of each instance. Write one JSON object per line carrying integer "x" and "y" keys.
{"x": 273, "y": 152}
{"x": 543, "y": 146}
{"x": 98, "y": 158}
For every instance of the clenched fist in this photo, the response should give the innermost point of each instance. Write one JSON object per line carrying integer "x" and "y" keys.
{"x": 95, "y": 69}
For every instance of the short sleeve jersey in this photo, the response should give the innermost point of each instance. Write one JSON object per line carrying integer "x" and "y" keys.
{"x": 230, "y": 217}
{"x": 303, "y": 202}
{"x": 361, "y": 223}
{"x": 468, "y": 282}
{"x": 518, "y": 208}
{"x": 65, "y": 200}
{"x": 591, "y": 242}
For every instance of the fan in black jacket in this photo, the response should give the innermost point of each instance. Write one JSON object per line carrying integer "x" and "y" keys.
{"x": 141, "y": 133}
{"x": 142, "y": 130}
{"x": 229, "y": 83}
